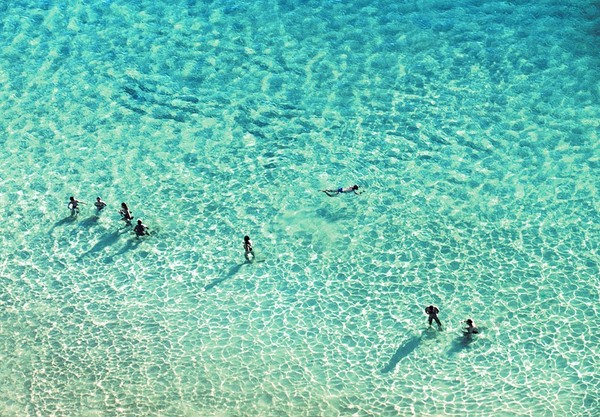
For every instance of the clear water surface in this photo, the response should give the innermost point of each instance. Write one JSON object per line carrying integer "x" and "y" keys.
{"x": 472, "y": 127}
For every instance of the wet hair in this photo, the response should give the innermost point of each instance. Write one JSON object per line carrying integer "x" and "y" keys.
{"x": 246, "y": 238}
{"x": 355, "y": 187}
{"x": 469, "y": 321}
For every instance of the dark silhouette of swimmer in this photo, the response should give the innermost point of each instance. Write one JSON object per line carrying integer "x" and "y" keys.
{"x": 432, "y": 312}
{"x": 73, "y": 205}
{"x": 99, "y": 204}
{"x": 126, "y": 215}
{"x": 471, "y": 328}
{"x": 352, "y": 189}
{"x": 248, "y": 248}
{"x": 140, "y": 228}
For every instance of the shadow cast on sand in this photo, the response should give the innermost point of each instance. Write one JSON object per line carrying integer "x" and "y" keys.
{"x": 62, "y": 222}
{"x": 90, "y": 221}
{"x": 234, "y": 270}
{"x": 108, "y": 240}
{"x": 131, "y": 244}
{"x": 407, "y": 348}
{"x": 461, "y": 343}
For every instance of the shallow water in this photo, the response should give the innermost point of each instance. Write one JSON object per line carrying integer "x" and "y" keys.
{"x": 472, "y": 128}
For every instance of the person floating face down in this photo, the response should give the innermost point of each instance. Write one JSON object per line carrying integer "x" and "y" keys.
{"x": 342, "y": 190}
{"x": 432, "y": 312}
{"x": 140, "y": 229}
{"x": 73, "y": 205}
{"x": 248, "y": 248}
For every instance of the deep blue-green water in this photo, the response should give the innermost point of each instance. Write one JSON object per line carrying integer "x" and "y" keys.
{"x": 472, "y": 128}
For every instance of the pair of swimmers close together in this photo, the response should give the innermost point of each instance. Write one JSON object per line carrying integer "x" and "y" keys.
{"x": 140, "y": 228}
{"x": 432, "y": 311}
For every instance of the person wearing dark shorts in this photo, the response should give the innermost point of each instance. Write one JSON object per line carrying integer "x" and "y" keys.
{"x": 100, "y": 204}
{"x": 126, "y": 215}
{"x": 248, "y": 250}
{"x": 140, "y": 229}
{"x": 342, "y": 190}
{"x": 471, "y": 328}
{"x": 73, "y": 205}
{"x": 432, "y": 312}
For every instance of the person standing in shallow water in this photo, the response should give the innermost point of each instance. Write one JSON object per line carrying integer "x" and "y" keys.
{"x": 126, "y": 215}
{"x": 100, "y": 204}
{"x": 140, "y": 229}
{"x": 248, "y": 248}
{"x": 471, "y": 328}
{"x": 432, "y": 312}
{"x": 73, "y": 205}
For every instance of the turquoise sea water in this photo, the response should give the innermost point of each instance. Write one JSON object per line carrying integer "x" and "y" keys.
{"x": 472, "y": 127}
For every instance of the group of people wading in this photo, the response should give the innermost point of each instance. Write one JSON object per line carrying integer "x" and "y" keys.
{"x": 140, "y": 229}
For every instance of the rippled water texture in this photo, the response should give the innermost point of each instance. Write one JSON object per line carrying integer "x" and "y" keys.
{"x": 470, "y": 126}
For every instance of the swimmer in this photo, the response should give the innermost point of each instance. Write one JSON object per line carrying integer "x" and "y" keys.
{"x": 73, "y": 205}
{"x": 248, "y": 248}
{"x": 352, "y": 189}
{"x": 140, "y": 229}
{"x": 126, "y": 215}
{"x": 99, "y": 204}
{"x": 471, "y": 328}
{"x": 432, "y": 312}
